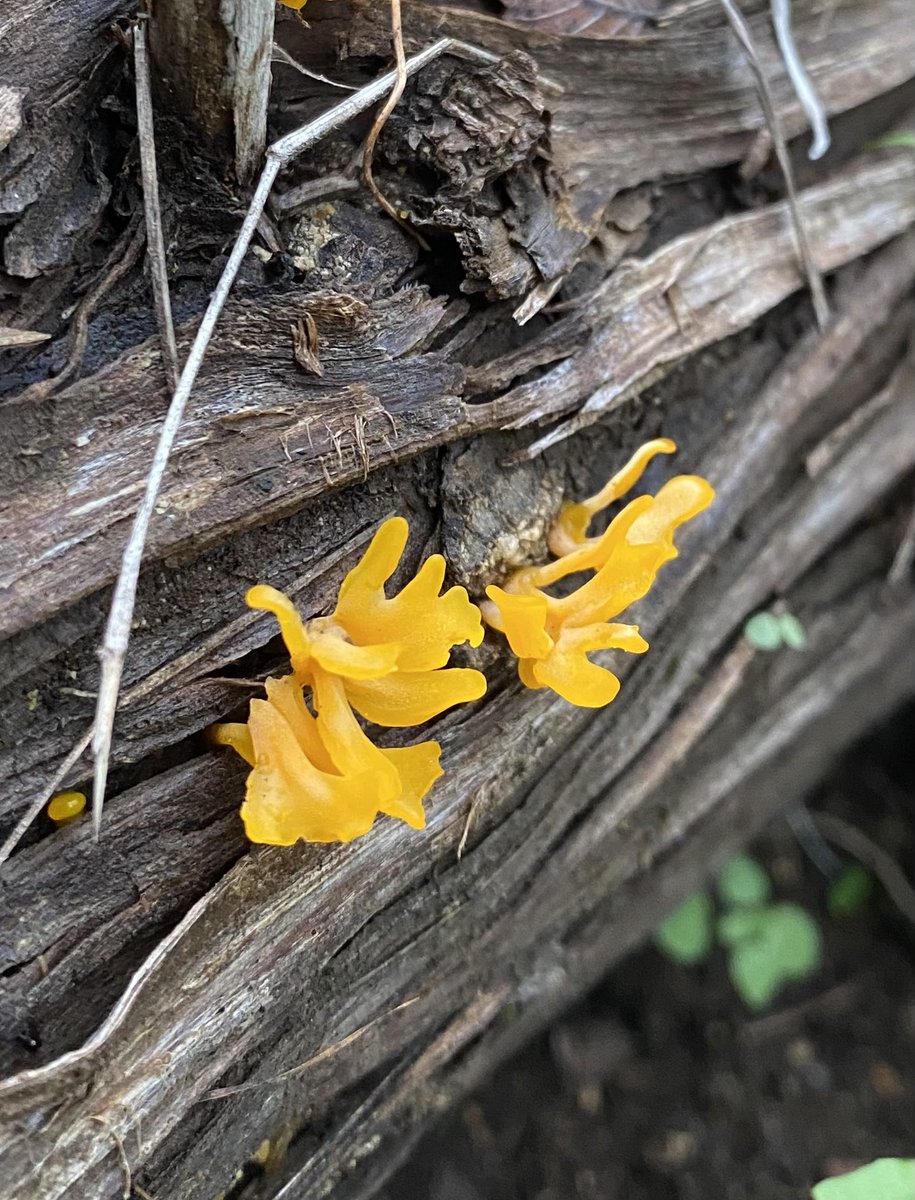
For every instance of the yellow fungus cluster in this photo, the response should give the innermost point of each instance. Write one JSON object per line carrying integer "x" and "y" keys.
{"x": 553, "y": 636}
{"x": 316, "y": 773}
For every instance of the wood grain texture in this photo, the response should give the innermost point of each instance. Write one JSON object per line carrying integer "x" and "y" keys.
{"x": 213, "y": 62}
{"x": 49, "y": 183}
{"x": 587, "y": 18}
{"x": 261, "y": 973}
{"x": 172, "y": 996}
{"x": 262, "y": 437}
{"x": 196, "y": 1014}
{"x": 682, "y": 99}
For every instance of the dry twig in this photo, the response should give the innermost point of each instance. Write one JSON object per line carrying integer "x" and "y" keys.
{"x": 125, "y": 254}
{"x": 43, "y": 796}
{"x": 850, "y": 838}
{"x": 285, "y": 203}
{"x": 17, "y": 339}
{"x": 155, "y": 242}
{"x": 800, "y": 80}
{"x": 117, "y": 630}
{"x": 380, "y": 120}
{"x": 905, "y": 555}
{"x": 468, "y": 821}
{"x": 811, "y": 270}
{"x": 281, "y": 56}
{"x": 838, "y": 999}
{"x": 122, "y": 1155}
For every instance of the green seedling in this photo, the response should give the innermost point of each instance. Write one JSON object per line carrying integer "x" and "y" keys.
{"x": 762, "y": 631}
{"x": 769, "y": 947}
{"x": 686, "y": 935}
{"x": 768, "y": 631}
{"x": 743, "y": 883}
{"x": 794, "y": 635}
{"x": 849, "y": 893}
{"x": 904, "y": 138}
{"x": 884, "y": 1179}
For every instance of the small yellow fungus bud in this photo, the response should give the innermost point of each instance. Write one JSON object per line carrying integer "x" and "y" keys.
{"x": 66, "y": 807}
{"x": 552, "y": 637}
{"x": 261, "y": 1155}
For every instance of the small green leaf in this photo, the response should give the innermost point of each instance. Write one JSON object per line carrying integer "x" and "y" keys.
{"x": 898, "y": 137}
{"x": 849, "y": 893}
{"x": 743, "y": 883}
{"x": 740, "y": 925}
{"x": 763, "y": 631}
{"x": 686, "y": 935}
{"x": 885, "y": 1179}
{"x": 794, "y": 635}
{"x": 769, "y": 947}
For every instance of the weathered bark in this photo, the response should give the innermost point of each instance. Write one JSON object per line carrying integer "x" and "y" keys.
{"x": 172, "y": 998}
{"x": 213, "y": 61}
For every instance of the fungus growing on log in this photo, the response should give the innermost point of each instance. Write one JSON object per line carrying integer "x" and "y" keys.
{"x": 66, "y": 807}
{"x": 317, "y": 775}
{"x": 553, "y": 636}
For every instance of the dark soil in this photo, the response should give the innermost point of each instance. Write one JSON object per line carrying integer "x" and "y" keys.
{"x": 662, "y": 1085}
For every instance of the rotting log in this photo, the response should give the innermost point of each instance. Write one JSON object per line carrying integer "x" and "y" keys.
{"x": 213, "y": 61}
{"x": 170, "y": 998}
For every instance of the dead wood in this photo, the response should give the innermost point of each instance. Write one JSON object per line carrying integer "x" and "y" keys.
{"x": 295, "y": 924}
{"x": 170, "y": 997}
{"x": 213, "y": 63}
{"x": 687, "y": 126}
{"x": 280, "y": 437}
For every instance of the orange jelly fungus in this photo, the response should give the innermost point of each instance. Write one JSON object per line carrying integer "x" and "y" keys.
{"x": 66, "y": 807}
{"x": 552, "y": 637}
{"x": 316, "y": 774}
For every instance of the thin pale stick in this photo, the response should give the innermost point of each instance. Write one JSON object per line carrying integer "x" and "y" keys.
{"x": 166, "y": 675}
{"x": 117, "y": 630}
{"x": 904, "y": 558}
{"x": 800, "y": 80}
{"x": 468, "y": 821}
{"x": 286, "y": 148}
{"x": 42, "y": 798}
{"x": 11, "y": 338}
{"x": 766, "y": 99}
{"x": 905, "y": 555}
{"x": 280, "y": 56}
{"x": 155, "y": 241}
{"x": 122, "y": 1154}
{"x": 812, "y": 842}
{"x": 284, "y": 204}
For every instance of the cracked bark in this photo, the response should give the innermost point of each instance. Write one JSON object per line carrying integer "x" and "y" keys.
{"x": 171, "y": 974}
